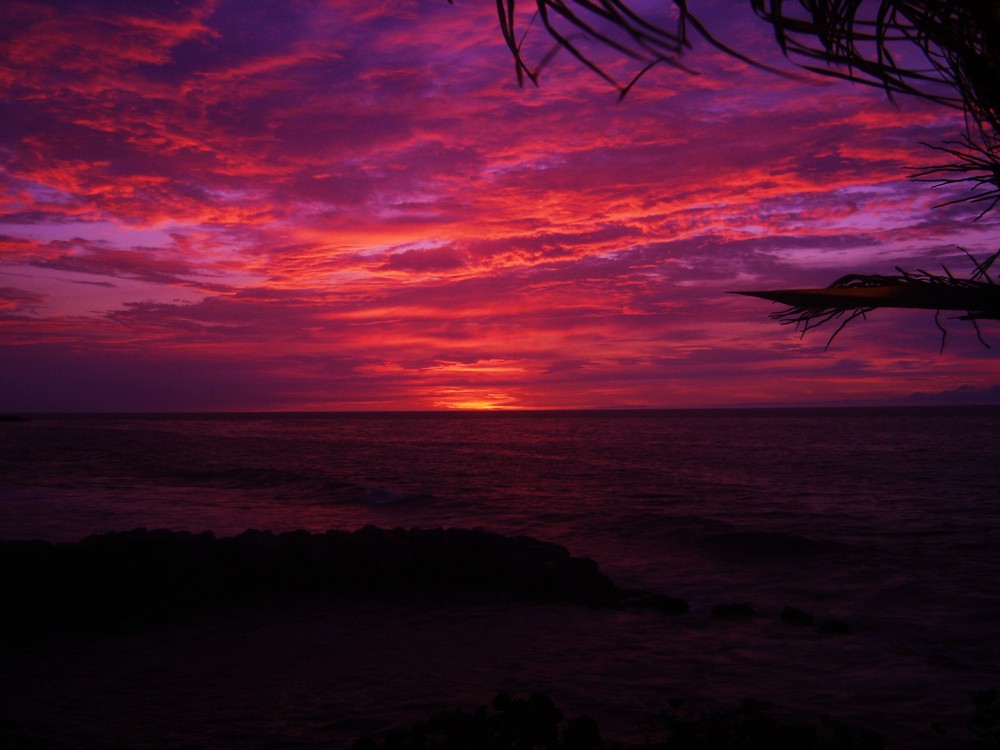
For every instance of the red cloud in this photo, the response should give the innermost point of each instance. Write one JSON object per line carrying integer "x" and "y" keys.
{"x": 359, "y": 204}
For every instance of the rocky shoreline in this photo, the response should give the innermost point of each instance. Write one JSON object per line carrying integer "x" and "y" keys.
{"x": 149, "y": 574}
{"x": 113, "y": 585}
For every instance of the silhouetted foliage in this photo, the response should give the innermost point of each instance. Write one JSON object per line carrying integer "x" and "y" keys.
{"x": 873, "y": 43}
{"x": 951, "y": 51}
{"x": 857, "y": 295}
{"x": 944, "y": 51}
{"x": 973, "y": 165}
{"x": 868, "y": 43}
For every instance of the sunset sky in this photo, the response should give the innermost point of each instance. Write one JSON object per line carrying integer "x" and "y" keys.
{"x": 274, "y": 205}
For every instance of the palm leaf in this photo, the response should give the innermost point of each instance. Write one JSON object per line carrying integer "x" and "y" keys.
{"x": 857, "y": 295}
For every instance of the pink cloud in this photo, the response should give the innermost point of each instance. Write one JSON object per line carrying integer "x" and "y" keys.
{"x": 359, "y": 204}
{"x": 16, "y": 302}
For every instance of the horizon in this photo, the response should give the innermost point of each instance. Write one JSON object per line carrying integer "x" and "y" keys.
{"x": 339, "y": 208}
{"x": 976, "y": 401}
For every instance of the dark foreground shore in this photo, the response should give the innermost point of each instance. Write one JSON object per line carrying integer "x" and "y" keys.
{"x": 137, "y": 575}
{"x": 387, "y": 638}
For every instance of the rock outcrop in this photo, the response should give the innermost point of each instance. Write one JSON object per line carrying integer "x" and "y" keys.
{"x": 145, "y": 574}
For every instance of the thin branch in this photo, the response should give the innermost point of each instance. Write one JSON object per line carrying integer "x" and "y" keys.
{"x": 975, "y": 165}
{"x": 957, "y": 61}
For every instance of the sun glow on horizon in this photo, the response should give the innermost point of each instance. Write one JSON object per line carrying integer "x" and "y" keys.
{"x": 470, "y": 400}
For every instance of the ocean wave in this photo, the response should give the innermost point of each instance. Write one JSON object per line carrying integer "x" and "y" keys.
{"x": 303, "y": 485}
{"x": 349, "y": 493}
{"x": 237, "y": 477}
{"x": 390, "y": 496}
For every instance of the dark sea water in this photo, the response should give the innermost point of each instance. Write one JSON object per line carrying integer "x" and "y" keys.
{"x": 885, "y": 519}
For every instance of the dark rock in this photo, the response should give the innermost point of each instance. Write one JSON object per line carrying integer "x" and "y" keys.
{"x": 796, "y": 616}
{"x": 666, "y": 605}
{"x": 733, "y": 611}
{"x": 766, "y": 545}
{"x": 579, "y": 579}
{"x": 517, "y": 724}
{"x": 835, "y": 627}
{"x": 150, "y": 574}
{"x": 582, "y": 733}
{"x": 512, "y": 723}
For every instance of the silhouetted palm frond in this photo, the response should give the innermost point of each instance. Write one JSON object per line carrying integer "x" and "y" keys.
{"x": 974, "y": 165}
{"x": 945, "y": 51}
{"x": 856, "y": 295}
{"x": 956, "y": 41}
{"x": 611, "y": 24}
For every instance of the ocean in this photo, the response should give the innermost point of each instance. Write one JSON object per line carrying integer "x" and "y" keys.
{"x": 884, "y": 520}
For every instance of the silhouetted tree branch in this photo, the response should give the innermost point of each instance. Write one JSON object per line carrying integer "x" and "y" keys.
{"x": 974, "y": 165}
{"x": 864, "y": 42}
{"x": 856, "y": 295}
{"x": 944, "y": 51}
